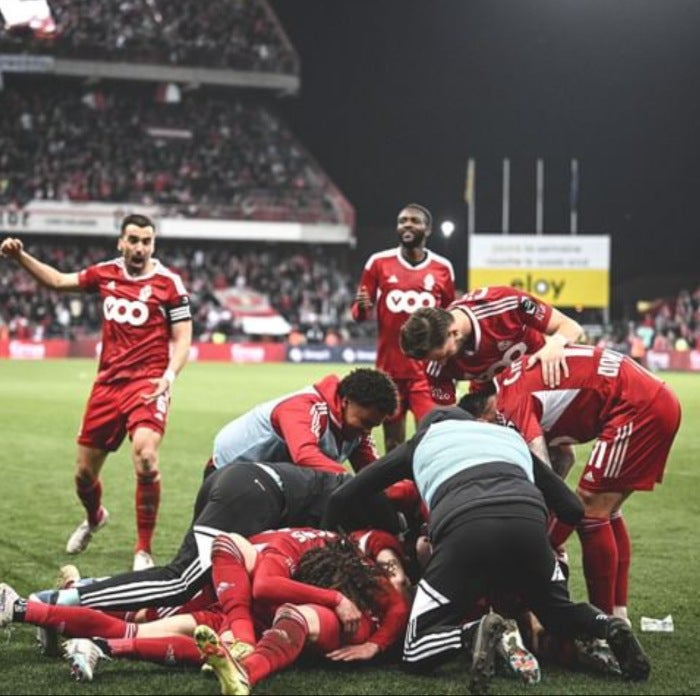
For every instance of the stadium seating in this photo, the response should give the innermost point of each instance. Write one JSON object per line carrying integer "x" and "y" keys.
{"x": 235, "y": 34}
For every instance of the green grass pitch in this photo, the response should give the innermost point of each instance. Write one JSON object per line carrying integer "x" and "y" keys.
{"x": 40, "y": 407}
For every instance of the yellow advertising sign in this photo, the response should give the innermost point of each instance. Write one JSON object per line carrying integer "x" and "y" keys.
{"x": 564, "y": 270}
{"x": 565, "y": 287}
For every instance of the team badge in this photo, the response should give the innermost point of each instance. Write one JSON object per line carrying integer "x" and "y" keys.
{"x": 429, "y": 282}
{"x": 529, "y": 306}
{"x": 504, "y": 345}
{"x": 146, "y": 292}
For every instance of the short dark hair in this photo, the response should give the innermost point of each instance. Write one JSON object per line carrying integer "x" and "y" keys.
{"x": 475, "y": 401}
{"x": 368, "y": 387}
{"x": 137, "y": 220}
{"x": 426, "y": 213}
{"x": 427, "y": 328}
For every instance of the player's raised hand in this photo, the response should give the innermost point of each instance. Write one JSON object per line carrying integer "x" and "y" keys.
{"x": 11, "y": 247}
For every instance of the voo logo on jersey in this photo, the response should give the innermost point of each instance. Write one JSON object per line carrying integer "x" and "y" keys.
{"x": 124, "y": 311}
{"x": 408, "y": 301}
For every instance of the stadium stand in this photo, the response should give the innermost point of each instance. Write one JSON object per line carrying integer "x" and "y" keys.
{"x": 236, "y": 34}
{"x": 208, "y": 155}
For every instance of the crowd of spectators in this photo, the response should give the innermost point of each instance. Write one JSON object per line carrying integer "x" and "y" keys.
{"x": 211, "y": 154}
{"x": 230, "y": 34}
{"x": 671, "y": 323}
{"x": 312, "y": 287}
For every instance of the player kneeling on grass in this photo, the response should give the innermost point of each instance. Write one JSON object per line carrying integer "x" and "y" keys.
{"x": 488, "y": 499}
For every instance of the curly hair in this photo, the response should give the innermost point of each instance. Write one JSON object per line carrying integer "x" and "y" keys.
{"x": 427, "y": 328}
{"x": 341, "y": 566}
{"x": 368, "y": 387}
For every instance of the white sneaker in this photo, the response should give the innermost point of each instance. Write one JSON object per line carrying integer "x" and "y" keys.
{"x": 8, "y": 596}
{"x": 82, "y": 655}
{"x": 143, "y": 561}
{"x": 515, "y": 657}
{"x": 82, "y": 535}
{"x": 68, "y": 576}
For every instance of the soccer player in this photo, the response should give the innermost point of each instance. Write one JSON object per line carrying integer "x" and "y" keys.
{"x": 317, "y": 427}
{"x": 633, "y": 418}
{"x": 488, "y": 496}
{"x": 337, "y": 566}
{"x": 272, "y": 568}
{"x": 245, "y": 498}
{"x": 399, "y": 281}
{"x": 145, "y": 306}
{"x": 482, "y": 333}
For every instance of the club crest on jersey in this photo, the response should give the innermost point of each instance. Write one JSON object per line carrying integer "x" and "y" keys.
{"x": 146, "y": 292}
{"x": 111, "y": 285}
{"x": 504, "y": 345}
{"x": 529, "y": 306}
{"x": 429, "y": 282}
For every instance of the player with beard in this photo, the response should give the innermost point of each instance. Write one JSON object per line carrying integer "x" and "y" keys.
{"x": 482, "y": 333}
{"x": 398, "y": 281}
{"x": 145, "y": 307}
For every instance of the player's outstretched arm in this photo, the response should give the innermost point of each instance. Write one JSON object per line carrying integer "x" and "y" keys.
{"x": 51, "y": 277}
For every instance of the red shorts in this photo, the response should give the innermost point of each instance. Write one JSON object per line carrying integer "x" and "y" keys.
{"x": 113, "y": 410}
{"x": 216, "y": 620}
{"x": 414, "y": 396}
{"x": 630, "y": 453}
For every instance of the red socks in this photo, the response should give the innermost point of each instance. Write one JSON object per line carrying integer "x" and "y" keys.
{"x": 147, "y": 503}
{"x": 600, "y": 561}
{"x": 232, "y": 585}
{"x": 90, "y": 494}
{"x": 78, "y": 622}
{"x": 559, "y": 532}
{"x": 173, "y": 650}
{"x": 624, "y": 555}
{"x": 279, "y": 646}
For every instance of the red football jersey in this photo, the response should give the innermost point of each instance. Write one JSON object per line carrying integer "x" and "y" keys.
{"x": 600, "y": 383}
{"x": 398, "y": 289}
{"x": 392, "y": 610}
{"x": 137, "y": 315}
{"x": 507, "y": 324}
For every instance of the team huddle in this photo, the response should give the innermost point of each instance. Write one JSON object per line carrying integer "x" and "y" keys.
{"x": 452, "y": 542}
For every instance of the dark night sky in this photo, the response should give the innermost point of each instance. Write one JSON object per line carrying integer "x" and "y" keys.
{"x": 397, "y": 94}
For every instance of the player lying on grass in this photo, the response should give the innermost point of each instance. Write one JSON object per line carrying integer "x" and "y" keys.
{"x": 271, "y": 558}
{"x": 245, "y": 498}
{"x": 381, "y": 621}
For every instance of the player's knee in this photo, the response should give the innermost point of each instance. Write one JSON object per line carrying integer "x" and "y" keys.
{"x": 146, "y": 459}
{"x": 596, "y": 504}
